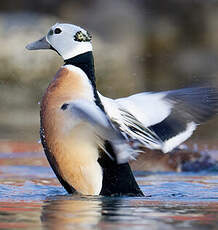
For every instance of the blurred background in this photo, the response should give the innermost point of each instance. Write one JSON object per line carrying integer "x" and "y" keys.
{"x": 139, "y": 45}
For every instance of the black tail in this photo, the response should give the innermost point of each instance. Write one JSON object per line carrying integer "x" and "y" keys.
{"x": 118, "y": 179}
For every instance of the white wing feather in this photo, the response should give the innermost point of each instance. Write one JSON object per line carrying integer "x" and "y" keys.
{"x": 147, "y": 108}
{"x": 162, "y": 120}
{"x": 97, "y": 119}
{"x": 126, "y": 113}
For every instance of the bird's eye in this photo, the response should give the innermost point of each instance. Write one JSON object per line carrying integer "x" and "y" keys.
{"x": 57, "y": 31}
{"x": 64, "y": 106}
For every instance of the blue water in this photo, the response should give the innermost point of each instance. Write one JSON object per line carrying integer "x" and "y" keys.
{"x": 170, "y": 186}
{"x": 32, "y": 198}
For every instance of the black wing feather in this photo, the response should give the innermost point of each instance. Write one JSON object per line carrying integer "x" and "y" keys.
{"x": 189, "y": 105}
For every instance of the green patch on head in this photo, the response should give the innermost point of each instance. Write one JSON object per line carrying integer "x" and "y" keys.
{"x": 81, "y": 37}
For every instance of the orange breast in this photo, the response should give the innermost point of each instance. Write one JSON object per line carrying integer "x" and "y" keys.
{"x": 65, "y": 87}
{"x": 73, "y": 146}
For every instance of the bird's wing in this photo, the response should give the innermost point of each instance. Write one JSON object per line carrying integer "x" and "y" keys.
{"x": 97, "y": 119}
{"x": 163, "y": 120}
{"x": 125, "y": 115}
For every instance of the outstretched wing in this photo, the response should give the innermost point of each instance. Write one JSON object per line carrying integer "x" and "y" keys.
{"x": 191, "y": 107}
{"x": 163, "y": 120}
{"x": 97, "y": 119}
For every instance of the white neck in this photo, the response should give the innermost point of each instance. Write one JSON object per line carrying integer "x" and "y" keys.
{"x": 76, "y": 50}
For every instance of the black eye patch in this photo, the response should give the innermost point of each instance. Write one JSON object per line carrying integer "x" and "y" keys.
{"x": 64, "y": 106}
{"x": 50, "y": 32}
{"x": 57, "y": 31}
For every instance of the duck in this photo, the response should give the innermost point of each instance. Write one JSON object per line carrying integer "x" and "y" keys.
{"x": 89, "y": 139}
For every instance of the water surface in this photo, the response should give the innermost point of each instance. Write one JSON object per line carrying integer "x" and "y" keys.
{"x": 31, "y": 198}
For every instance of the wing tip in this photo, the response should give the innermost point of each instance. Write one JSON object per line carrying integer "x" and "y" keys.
{"x": 178, "y": 139}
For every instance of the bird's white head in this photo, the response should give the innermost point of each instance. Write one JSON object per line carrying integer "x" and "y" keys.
{"x": 67, "y": 39}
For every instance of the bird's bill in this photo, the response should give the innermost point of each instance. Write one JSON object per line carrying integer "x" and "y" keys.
{"x": 38, "y": 45}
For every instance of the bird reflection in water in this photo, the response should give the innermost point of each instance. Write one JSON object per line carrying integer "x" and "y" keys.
{"x": 84, "y": 212}
{"x": 102, "y": 213}
{"x": 64, "y": 212}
